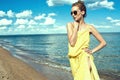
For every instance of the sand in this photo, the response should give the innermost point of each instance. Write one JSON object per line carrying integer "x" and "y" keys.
{"x": 12, "y": 68}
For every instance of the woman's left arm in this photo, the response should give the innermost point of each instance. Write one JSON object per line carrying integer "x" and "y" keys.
{"x": 98, "y": 36}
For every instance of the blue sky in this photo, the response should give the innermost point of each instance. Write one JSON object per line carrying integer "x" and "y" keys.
{"x": 51, "y": 16}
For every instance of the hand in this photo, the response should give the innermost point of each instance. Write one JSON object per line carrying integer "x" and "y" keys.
{"x": 76, "y": 25}
{"x": 88, "y": 51}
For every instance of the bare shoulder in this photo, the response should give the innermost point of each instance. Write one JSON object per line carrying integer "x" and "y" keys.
{"x": 70, "y": 25}
{"x": 91, "y": 28}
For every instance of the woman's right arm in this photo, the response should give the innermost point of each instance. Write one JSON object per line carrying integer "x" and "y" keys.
{"x": 72, "y": 33}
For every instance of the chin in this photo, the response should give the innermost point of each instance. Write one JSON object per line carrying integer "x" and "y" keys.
{"x": 77, "y": 20}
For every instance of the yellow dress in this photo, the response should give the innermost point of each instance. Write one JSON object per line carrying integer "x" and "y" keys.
{"x": 79, "y": 58}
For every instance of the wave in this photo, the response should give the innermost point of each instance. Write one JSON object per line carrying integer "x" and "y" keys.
{"x": 24, "y": 55}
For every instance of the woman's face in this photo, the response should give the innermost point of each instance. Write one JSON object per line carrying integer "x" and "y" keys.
{"x": 76, "y": 13}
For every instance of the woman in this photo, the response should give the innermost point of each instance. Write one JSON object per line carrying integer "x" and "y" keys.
{"x": 80, "y": 56}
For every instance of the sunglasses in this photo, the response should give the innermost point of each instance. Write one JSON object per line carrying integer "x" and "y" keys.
{"x": 74, "y": 12}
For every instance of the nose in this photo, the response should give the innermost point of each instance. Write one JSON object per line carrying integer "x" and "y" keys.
{"x": 73, "y": 15}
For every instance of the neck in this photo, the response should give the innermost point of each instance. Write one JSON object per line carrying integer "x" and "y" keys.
{"x": 81, "y": 22}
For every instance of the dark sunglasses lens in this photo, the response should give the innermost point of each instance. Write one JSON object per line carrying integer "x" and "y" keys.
{"x": 74, "y": 12}
{"x": 71, "y": 13}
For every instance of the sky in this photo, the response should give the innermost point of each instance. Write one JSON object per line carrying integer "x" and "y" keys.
{"x": 51, "y": 16}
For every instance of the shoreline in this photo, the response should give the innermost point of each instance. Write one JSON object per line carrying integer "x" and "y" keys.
{"x": 55, "y": 73}
{"x": 12, "y": 68}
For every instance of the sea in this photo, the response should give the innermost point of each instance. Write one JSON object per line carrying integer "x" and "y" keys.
{"x": 52, "y": 50}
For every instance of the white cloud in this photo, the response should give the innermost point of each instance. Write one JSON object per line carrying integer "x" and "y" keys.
{"x": 54, "y": 30}
{"x": 109, "y": 18}
{"x": 2, "y": 27}
{"x": 40, "y": 17}
{"x": 60, "y": 2}
{"x": 115, "y": 22}
{"x": 46, "y": 19}
{"x": 60, "y": 29}
{"x": 10, "y": 30}
{"x": 93, "y": 5}
{"x": 21, "y": 26}
{"x": 101, "y": 26}
{"x": 24, "y": 14}
{"x": 2, "y": 14}
{"x": 10, "y": 13}
{"x": 106, "y": 4}
{"x": 51, "y": 14}
{"x": 32, "y": 22}
{"x": 50, "y": 3}
{"x": 101, "y": 4}
{"x": 30, "y": 27}
{"x": 69, "y": 2}
{"x": 90, "y": 3}
{"x": 5, "y": 22}
{"x": 49, "y": 21}
{"x": 21, "y": 21}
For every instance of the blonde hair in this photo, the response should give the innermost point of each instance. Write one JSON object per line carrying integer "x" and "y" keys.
{"x": 81, "y": 6}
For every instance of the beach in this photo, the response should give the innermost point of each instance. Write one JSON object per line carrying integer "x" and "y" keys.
{"x": 12, "y": 68}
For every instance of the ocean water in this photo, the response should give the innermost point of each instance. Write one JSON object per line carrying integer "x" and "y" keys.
{"x": 52, "y": 49}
